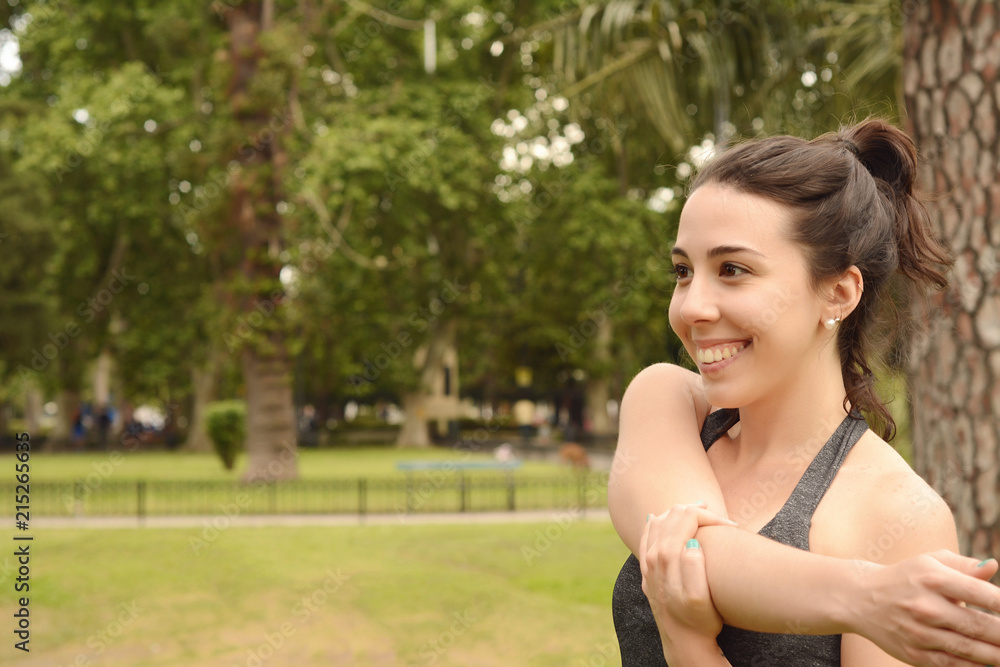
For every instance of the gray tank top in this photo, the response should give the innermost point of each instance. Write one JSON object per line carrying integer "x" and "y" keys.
{"x": 638, "y": 636}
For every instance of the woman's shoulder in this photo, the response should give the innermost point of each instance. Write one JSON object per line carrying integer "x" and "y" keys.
{"x": 879, "y": 509}
{"x": 662, "y": 382}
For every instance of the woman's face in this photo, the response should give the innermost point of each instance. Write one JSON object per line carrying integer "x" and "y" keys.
{"x": 743, "y": 305}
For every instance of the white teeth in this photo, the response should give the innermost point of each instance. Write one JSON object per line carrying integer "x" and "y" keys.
{"x": 711, "y": 356}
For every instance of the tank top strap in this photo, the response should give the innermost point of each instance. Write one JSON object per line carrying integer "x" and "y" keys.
{"x": 792, "y": 522}
{"x": 717, "y": 424}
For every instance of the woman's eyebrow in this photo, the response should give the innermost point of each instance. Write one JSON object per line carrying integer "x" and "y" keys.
{"x": 719, "y": 250}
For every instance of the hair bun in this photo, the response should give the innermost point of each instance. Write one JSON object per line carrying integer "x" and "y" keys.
{"x": 890, "y": 157}
{"x": 887, "y": 153}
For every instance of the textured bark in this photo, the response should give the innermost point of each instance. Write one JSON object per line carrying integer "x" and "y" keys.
{"x": 952, "y": 93}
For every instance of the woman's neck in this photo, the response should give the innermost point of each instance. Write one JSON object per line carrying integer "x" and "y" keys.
{"x": 795, "y": 422}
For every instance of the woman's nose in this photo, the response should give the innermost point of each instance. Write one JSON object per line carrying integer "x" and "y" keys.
{"x": 698, "y": 302}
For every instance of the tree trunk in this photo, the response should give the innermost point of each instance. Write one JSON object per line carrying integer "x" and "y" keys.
{"x": 204, "y": 380}
{"x": 952, "y": 94}
{"x": 598, "y": 391}
{"x": 270, "y": 417}
{"x": 67, "y": 403}
{"x": 413, "y": 431}
{"x": 256, "y": 191}
{"x": 32, "y": 411}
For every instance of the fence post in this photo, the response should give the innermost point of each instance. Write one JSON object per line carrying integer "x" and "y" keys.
{"x": 78, "y": 497}
{"x": 461, "y": 490}
{"x": 409, "y": 492}
{"x": 140, "y": 496}
{"x": 510, "y": 492}
{"x": 362, "y": 496}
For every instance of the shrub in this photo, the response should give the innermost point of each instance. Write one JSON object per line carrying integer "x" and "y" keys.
{"x": 226, "y": 423}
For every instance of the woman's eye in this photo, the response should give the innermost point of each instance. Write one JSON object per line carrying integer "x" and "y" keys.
{"x": 681, "y": 271}
{"x": 731, "y": 270}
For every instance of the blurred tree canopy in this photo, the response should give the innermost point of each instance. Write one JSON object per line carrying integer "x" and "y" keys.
{"x": 286, "y": 201}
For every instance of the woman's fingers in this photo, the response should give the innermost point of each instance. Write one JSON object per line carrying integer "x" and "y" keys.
{"x": 920, "y": 593}
{"x": 693, "y": 577}
{"x": 972, "y": 590}
{"x": 673, "y": 569}
{"x": 665, "y": 535}
{"x": 686, "y": 519}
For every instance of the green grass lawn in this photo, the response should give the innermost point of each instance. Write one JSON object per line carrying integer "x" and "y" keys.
{"x": 496, "y": 594}
{"x": 334, "y": 463}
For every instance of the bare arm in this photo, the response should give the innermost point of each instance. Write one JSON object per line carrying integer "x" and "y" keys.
{"x": 892, "y": 515}
{"x": 660, "y": 462}
{"x": 759, "y": 584}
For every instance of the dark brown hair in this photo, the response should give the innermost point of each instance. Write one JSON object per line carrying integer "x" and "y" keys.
{"x": 854, "y": 202}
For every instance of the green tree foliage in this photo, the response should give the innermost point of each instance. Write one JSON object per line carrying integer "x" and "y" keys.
{"x": 319, "y": 196}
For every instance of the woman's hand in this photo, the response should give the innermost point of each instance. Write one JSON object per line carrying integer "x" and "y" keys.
{"x": 912, "y": 609}
{"x": 675, "y": 582}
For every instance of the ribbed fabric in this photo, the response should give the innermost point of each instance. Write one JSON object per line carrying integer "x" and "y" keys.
{"x": 637, "y": 633}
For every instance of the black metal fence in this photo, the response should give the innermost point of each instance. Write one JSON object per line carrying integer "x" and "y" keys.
{"x": 423, "y": 493}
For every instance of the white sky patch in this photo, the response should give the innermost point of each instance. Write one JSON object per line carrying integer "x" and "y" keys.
{"x": 10, "y": 56}
{"x": 660, "y": 201}
{"x": 150, "y": 416}
{"x": 702, "y": 153}
{"x": 81, "y": 116}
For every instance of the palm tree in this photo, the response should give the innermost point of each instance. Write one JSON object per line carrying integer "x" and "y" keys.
{"x": 659, "y": 76}
{"x": 694, "y": 67}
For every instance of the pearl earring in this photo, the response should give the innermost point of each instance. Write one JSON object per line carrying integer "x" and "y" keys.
{"x": 831, "y": 323}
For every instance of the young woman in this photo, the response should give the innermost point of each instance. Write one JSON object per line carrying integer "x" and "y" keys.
{"x": 783, "y": 258}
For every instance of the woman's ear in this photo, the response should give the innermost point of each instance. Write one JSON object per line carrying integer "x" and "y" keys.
{"x": 844, "y": 295}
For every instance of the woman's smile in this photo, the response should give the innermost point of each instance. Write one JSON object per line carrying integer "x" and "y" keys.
{"x": 715, "y": 357}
